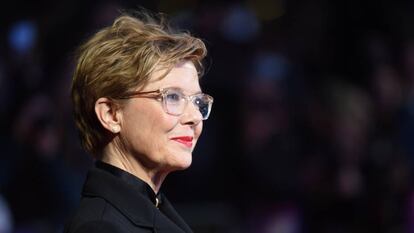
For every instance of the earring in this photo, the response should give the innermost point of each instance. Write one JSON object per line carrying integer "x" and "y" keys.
{"x": 115, "y": 129}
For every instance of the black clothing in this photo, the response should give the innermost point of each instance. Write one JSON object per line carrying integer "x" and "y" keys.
{"x": 114, "y": 200}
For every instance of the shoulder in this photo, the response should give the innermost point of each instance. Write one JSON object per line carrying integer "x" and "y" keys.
{"x": 102, "y": 226}
{"x": 90, "y": 214}
{"x": 97, "y": 226}
{"x": 91, "y": 208}
{"x": 98, "y": 215}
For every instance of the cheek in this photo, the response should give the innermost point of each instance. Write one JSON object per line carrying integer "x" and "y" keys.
{"x": 149, "y": 127}
{"x": 166, "y": 123}
{"x": 198, "y": 130}
{"x": 156, "y": 121}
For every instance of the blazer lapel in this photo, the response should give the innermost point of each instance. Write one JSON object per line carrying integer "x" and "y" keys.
{"x": 169, "y": 211}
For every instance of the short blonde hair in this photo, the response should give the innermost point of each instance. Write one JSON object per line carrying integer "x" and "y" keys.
{"x": 121, "y": 58}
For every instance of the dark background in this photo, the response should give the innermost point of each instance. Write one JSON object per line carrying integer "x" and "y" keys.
{"x": 312, "y": 128}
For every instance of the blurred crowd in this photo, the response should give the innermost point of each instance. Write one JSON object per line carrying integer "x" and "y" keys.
{"x": 312, "y": 128}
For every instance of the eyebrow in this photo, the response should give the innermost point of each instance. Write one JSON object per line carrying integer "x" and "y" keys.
{"x": 182, "y": 90}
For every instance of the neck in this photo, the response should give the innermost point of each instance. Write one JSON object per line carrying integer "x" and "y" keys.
{"x": 154, "y": 178}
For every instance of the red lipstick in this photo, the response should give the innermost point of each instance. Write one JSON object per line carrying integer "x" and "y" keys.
{"x": 185, "y": 140}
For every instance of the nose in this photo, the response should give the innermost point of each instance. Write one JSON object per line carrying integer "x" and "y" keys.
{"x": 191, "y": 115}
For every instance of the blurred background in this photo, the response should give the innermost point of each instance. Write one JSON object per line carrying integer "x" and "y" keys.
{"x": 312, "y": 128}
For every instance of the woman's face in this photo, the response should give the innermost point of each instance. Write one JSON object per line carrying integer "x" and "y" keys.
{"x": 157, "y": 139}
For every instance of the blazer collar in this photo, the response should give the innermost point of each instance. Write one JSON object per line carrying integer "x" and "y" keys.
{"x": 134, "y": 182}
{"x": 133, "y": 198}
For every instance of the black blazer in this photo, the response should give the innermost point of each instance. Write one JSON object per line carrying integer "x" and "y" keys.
{"x": 116, "y": 201}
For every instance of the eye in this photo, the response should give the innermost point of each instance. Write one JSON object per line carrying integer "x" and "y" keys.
{"x": 173, "y": 97}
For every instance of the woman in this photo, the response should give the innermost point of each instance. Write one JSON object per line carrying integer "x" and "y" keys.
{"x": 140, "y": 110}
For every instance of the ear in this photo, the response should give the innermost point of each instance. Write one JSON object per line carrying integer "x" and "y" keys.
{"x": 108, "y": 114}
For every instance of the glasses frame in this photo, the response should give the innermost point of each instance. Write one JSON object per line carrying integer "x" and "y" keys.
{"x": 161, "y": 95}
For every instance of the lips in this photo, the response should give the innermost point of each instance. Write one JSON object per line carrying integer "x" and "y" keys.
{"x": 187, "y": 141}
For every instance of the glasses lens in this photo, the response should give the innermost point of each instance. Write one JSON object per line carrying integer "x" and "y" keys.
{"x": 203, "y": 102}
{"x": 174, "y": 101}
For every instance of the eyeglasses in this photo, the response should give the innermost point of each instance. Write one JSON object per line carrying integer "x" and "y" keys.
{"x": 174, "y": 101}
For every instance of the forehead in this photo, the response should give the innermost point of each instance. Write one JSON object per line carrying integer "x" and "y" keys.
{"x": 183, "y": 75}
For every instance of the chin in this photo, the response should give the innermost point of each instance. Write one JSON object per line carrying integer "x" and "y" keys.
{"x": 181, "y": 162}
